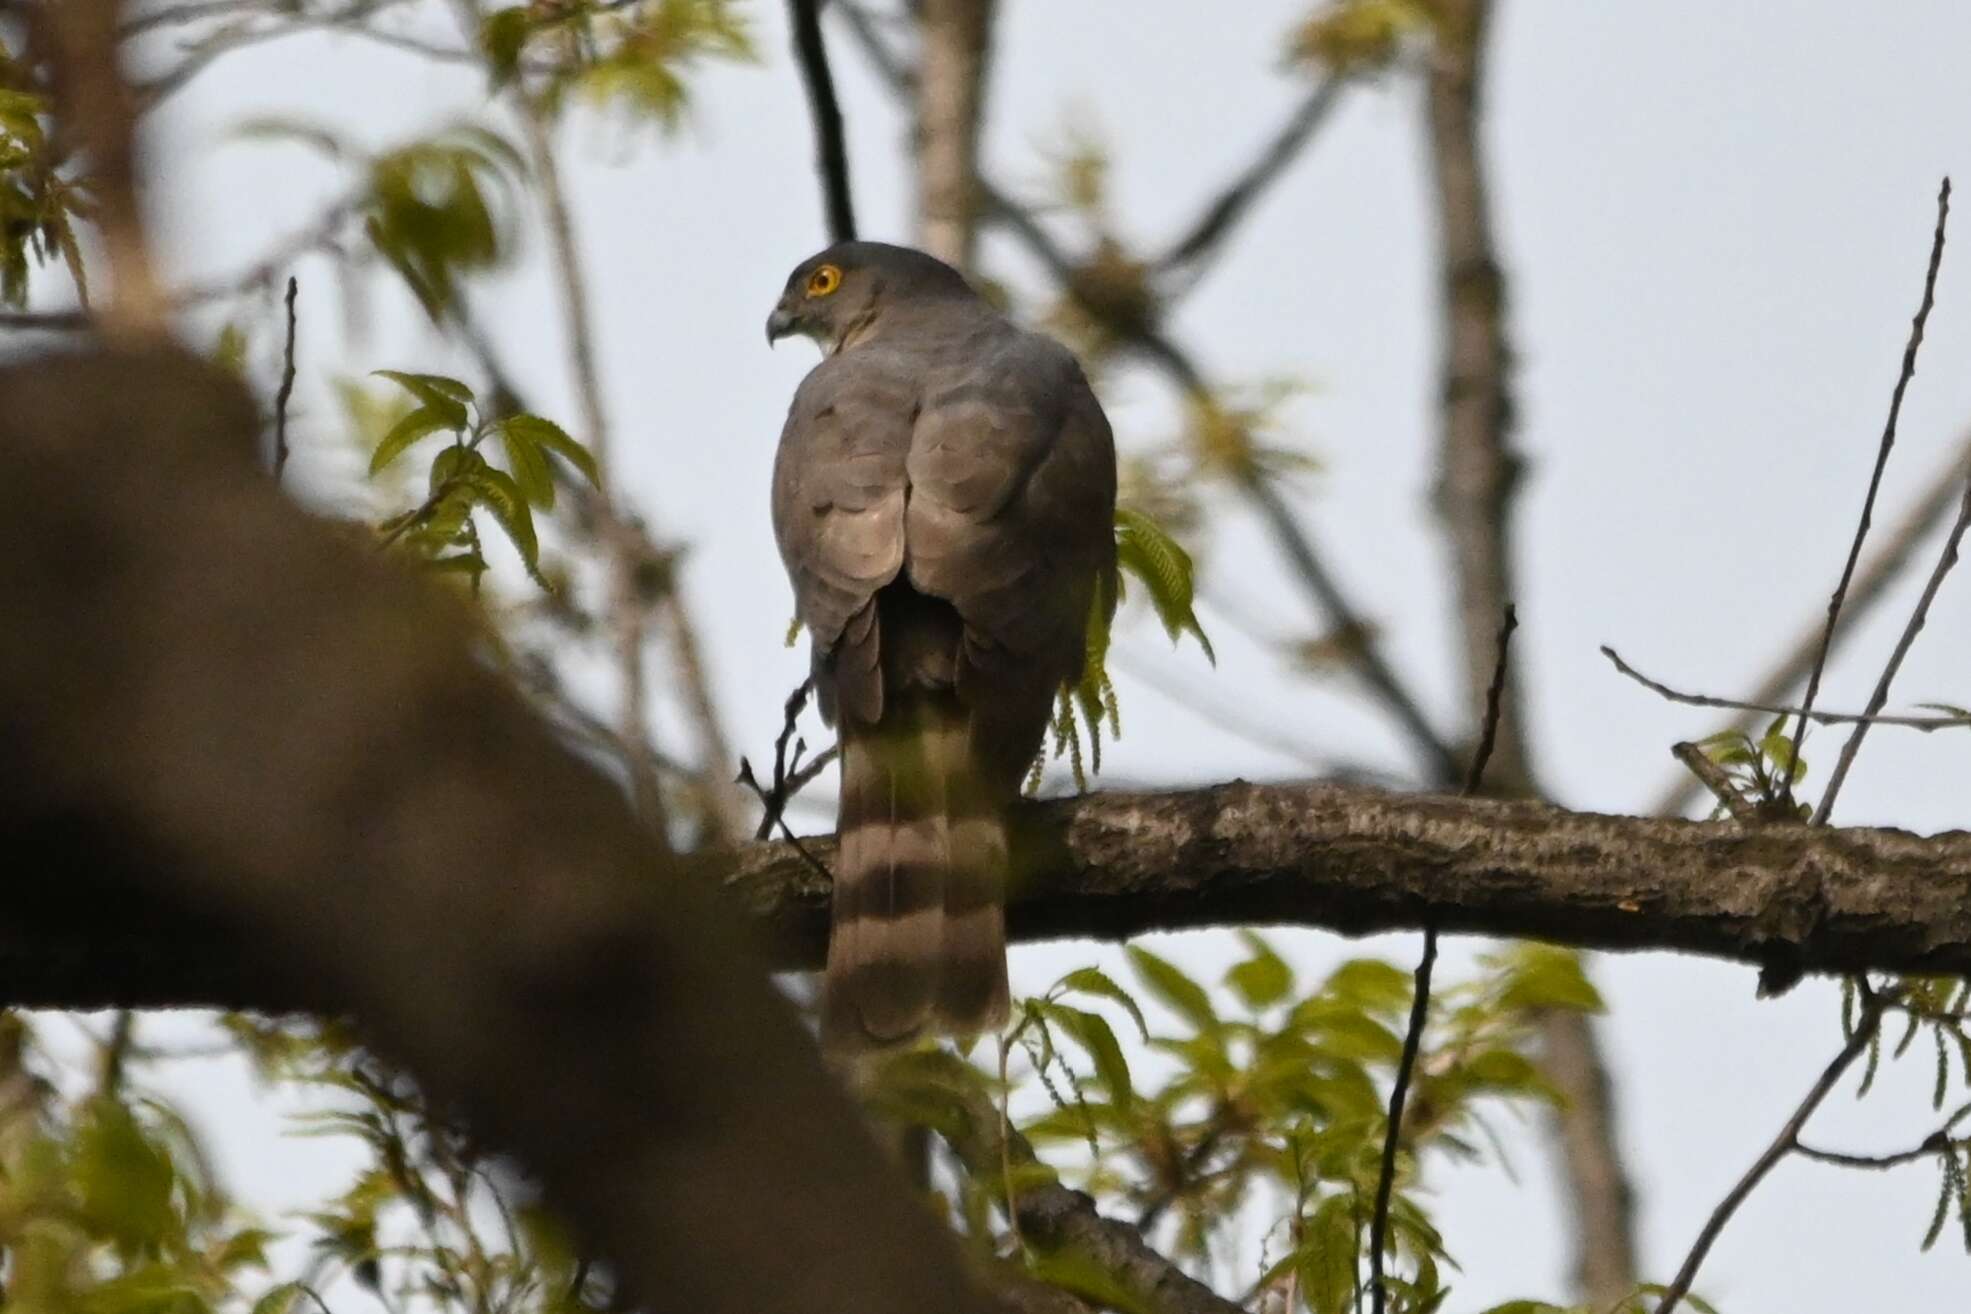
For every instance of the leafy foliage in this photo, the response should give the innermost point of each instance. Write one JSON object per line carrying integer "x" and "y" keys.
{"x": 1275, "y": 1107}
{"x": 635, "y": 58}
{"x": 441, "y": 530}
{"x": 1758, "y": 767}
{"x": 106, "y": 1202}
{"x": 1086, "y": 706}
{"x": 37, "y": 203}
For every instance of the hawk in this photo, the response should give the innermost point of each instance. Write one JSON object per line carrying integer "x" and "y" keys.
{"x": 944, "y": 501}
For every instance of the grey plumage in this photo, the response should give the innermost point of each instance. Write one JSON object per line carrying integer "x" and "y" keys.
{"x": 944, "y": 499}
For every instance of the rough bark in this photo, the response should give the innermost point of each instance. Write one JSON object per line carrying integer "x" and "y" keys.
{"x": 1478, "y": 473}
{"x": 279, "y": 733}
{"x": 956, "y": 37}
{"x": 1343, "y": 858}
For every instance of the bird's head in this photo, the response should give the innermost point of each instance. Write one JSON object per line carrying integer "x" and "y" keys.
{"x": 843, "y": 294}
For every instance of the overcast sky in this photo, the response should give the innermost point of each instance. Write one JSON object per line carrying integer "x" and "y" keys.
{"x": 1714, "y": 220}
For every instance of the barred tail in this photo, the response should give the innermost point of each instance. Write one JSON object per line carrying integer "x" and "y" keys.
{"x": 919, "y": 927}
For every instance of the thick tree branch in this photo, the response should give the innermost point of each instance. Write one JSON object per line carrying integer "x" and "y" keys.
{"x": 1343, "y": 858}
{"x": 284, "y": 735}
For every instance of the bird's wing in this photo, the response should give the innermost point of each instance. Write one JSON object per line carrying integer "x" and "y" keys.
{"x": 839, "y": 494}
{"x": 1011, "y": 513}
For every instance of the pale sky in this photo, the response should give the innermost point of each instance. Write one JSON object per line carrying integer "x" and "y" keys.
{"x": 1714, "y": 220}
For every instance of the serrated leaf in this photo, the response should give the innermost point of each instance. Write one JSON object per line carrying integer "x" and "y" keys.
{"x": 420, "y": 423}
{"x": 1094, "y": 982}
{"x": 498, "y": 493}
{"x": 528, "y": 466}
{"x": 546, "y": 434}
{"x": 449, "y": 396}
{"x": 1164, "y": 980}
{"x": 1144, "y": 550}
{"x": 1091, "y": 1031}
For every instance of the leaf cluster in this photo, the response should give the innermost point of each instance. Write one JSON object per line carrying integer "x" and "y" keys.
{"x": 462, "y": 480}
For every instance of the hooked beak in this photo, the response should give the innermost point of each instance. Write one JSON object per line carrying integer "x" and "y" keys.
{"x": 779, "y": 324}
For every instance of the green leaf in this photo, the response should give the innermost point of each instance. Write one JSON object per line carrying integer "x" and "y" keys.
{"x": 551, "y": 436}
{"x": 420, "y": 423}
{"x": 123, "y": 1179}
{"x": 1144, "y": 550}
{"x": 528, "y": 465}
{"x": 1527, "y": 1307}
{"x": 1093, "y": 981}
{"x": 1092, "y": 1032}
{"x": 498, "y": 493}
{"x": 1262, "y": 979}
{"x": 449, "y": 396}
{"x": 1185, "y": 996}
{"x": 280, "y": 1299}
{"x": 1326, "y": 1259}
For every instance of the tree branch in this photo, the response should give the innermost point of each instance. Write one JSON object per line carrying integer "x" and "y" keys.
{"x": 1870, "y": 585}
{"x": 1917, "y": 617}
{"x": 1348, "y": 859}
{"x": 831, "y": 152}
{"x": 286, "y": 735}
{"x": 1188, "y": 256}
{"x": 1888, "y": 442}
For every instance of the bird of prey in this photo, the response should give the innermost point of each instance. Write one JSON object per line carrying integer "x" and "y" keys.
{"x": 944, "y": 502}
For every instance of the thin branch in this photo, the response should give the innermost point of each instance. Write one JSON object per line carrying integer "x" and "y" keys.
{"x": 1923, "y": 723}
{"x": 1917, "y": 618}
{"x": 628, "y": 564}
{"x": 1939, "y": 1141}
{"x": 831, "y": 151}
{"x": 287, "y": 385}
{"x": 1189, "y": 255}
{"x": 95, "y": 105}
{"x": 1420, "y": 996}
{"x": 1785, "y": 1142}
{"x": 1871, "y": 584}
{"x": 1874, "y": 483}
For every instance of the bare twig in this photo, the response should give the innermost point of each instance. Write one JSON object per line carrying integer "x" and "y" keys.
{"x": 785, "y": 767}
{"x": 1188, "y": 256}
{"x": 1874, "y": 483}
{"x": 752, "y": 782}
{"x": 1923, "y": 723}
{"x": 1420, "y": 997}
{"x": 1782, "y": 1144}
{"x": 287, "y": 386}
{"x": 1917, "y": 618}
{"x": 1937, "y": 1142}
{"x": 831, "y": 151}
{"x": 1926, "y": 514}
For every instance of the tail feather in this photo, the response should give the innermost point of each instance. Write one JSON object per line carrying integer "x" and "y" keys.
{"x": 918, "y": 940}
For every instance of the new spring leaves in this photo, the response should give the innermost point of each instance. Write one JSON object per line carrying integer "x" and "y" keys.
{"x": 441, "y": 530}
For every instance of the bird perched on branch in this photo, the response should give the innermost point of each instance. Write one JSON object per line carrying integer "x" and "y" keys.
{"x": 944, "y": 500}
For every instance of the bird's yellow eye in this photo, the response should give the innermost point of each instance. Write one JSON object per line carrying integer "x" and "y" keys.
{"x": 824, "y": 280}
